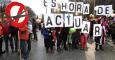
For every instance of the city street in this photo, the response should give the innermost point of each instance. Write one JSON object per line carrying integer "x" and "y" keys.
{"x": 38, "y": 53}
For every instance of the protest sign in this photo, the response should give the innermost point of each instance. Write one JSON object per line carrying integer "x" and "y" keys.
{"x": 79, "y": 7}
{"x": 49, "y": 20}
{"x": 58, "y": 20}
{"x": 85, "y": 27}
{"x": 86, "y": 9}
{"x": 68, "y": 20}
{"x": 103, "y": 10}
{"x": 77, "y": 22}
{"x": 97, "y": 30}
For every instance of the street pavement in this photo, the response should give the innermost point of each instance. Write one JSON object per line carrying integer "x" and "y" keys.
{"x": 38, "y": 52}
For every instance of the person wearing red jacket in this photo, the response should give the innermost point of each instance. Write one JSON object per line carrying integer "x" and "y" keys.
{"x": 24, "y": 37}
{"x": 83, "y": 40}
{"x": 7, "y": 36}
{"x": 1, "y": 36}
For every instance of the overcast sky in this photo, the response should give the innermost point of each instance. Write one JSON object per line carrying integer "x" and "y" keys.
{"x": 36, "y": 5}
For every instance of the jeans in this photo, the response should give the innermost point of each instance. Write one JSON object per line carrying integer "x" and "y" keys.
{"x": 24, "y": 49}
{"x": 8, "y": 39}
{"x": 58, "y": 41}
{"x": 29, "y": 42}
{"x": 15, "y": 38}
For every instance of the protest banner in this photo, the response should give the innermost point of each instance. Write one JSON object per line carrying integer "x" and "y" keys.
{"x": 68, "y": 20}
{"x": 79, "y": 7}
{"x": 85, "y": 27}
{"x": 97, "y": 30}
{"x": 86, "y": 8}
{"x": 77, "y": 22}
{"x": 71, "y": 6}
{"x": 103, "y": 10}
{"x": 49, "y": 20}
{"x": 58, "y": 21}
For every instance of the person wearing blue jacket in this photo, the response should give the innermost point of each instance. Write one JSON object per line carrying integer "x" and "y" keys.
{"x": 48, "y": 39}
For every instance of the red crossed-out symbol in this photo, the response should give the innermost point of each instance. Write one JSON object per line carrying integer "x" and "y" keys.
{"x": 21, "y": 9}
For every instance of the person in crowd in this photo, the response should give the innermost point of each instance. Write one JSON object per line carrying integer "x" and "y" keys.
{"x": 30, "y": 34}
{"x": 24, "y": 37}
{"x": 14, "y": 36}
{"x": 70, "y": 41}
{"x": 97, "y": 43}
{"x": 91, "y": 27}
{"x": 75, "y": 39}
{"x": 1, "y": 39}
{"x": 33, "y": 17}
{"x": 112, "y": 31}
{"x": 48, "y": 39}
{"x": 54, "y": 36}
{"x": 59, "y": 38}
{"x": 100, "y": 40}
{"x": 65, "y": 31}
{"x": 34, "y": 29}
{"x": 83, "y": 40}
{"x": 104, "y": 33}
{"x": 50, "y": 30}
{"x": 7, "y": 36}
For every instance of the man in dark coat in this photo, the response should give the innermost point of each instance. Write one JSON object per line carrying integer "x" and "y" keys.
{"x": 65, "y": 31}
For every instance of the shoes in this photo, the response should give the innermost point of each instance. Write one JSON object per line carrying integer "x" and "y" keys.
{"x": 102, "y": 49}
{"x": 58, "y": 49}
{"x": 2, "y": 52}
{"x": 96, "y": 49}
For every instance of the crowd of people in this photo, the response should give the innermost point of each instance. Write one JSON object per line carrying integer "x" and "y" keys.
{"x": 17, "y": 39}
{"x": 66, "y": 37}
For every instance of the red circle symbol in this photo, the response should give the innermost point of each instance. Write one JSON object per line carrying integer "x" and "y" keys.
{"x": 21, "y": 9}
